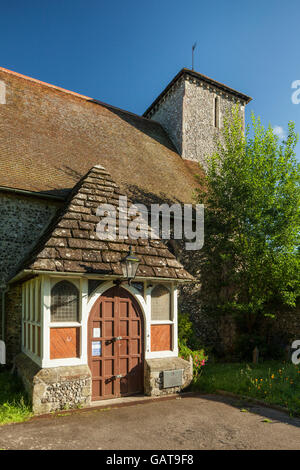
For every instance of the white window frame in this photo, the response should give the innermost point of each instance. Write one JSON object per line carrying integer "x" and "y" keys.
{"x": 174, "y": 322}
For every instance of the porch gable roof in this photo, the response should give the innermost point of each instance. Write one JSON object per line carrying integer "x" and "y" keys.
{"x": 70, "y": 244}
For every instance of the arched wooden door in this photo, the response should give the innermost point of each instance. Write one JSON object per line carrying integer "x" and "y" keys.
{"x": 116, "y": 345}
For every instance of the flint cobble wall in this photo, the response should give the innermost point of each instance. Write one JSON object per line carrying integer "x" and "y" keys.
{"x": 199, "y": 130}
{"x": 55, "y": 388}
{"x": 187, "y": 114}
{"x": 169, "y": 114}
{"x": 23, "y": 220}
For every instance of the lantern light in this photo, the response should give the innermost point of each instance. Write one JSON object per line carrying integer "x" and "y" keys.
{"x": 130, "y": 265}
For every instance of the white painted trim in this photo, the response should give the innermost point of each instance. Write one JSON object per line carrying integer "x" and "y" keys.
{"x": 84, "y": 316}
{"x": 23, "y": 333}
{"x": 30, "y": 308}
{"x": 174, "y": 323}
{"x": 42, "y": 317}
{"x": 47, "y": 284}
{"x": 139, "y": 298}
{"x": 162, "y": 354}
{"x": 27, "y": 301}
{"x": 107, "y": 285}
{"x": 175, "y": 319}
{"x": 148, "y": 328}
{"x": 55, "y": 280}
{"x": 46, "y": 321}
{"x": 36, "y": 292}
{"x": 85, "y": 305}
{"x": 72, "y": 361}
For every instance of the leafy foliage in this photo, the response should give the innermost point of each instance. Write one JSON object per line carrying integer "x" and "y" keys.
{"x": 187, "y": 340}
{"x": 252, "y": 222}
{"x": 14, "y": 406}
{"x": 186, "y": 331}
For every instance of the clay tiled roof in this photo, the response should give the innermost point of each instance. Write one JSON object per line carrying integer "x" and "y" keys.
{"x": 71, "y": 243}
{"x": 50, "y": 138}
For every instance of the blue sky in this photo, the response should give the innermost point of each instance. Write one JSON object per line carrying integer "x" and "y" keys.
{"x": 124, "y": 52}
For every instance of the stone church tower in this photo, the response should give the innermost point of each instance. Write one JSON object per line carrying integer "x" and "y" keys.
{"x": 191, "y": 110}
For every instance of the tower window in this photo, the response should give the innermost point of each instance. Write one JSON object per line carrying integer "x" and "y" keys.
{"x": 217, "y": 112}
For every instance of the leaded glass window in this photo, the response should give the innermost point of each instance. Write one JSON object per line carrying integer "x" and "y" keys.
{"x": 64, "y": 302}
{"x": 160, "y": 303}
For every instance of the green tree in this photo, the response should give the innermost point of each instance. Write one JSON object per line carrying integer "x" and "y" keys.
{"x": 250, "y": 260}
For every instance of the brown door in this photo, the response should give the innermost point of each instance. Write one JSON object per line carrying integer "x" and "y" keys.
{"x": 115, "y": 342}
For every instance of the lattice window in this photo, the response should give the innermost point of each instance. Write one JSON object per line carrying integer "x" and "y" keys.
{"x": 64, "y": 302}
{"x": 160, "y": 303}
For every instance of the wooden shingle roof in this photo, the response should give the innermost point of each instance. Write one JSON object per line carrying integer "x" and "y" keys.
{"x": 71, "y": 243}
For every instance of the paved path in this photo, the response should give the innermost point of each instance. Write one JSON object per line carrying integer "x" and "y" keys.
{"x": 193, "y": 422}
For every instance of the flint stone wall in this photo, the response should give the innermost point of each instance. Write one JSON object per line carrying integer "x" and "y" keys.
{"x": 187, "y": 115}
{"x": 169, "y": 114}
{"x": 55, "y": 388}
{"x": 23, "y": 220}
{"x": 153, "y": 375}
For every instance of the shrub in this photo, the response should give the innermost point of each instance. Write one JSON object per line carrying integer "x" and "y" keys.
{"x": 187, "y": 341}
{"x": 186, "y": 332}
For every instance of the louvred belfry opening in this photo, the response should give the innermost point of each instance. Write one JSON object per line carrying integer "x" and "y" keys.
{"x": 115, "y": 345}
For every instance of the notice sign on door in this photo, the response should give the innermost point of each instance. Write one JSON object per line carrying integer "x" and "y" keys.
{"x": 96, "y": 332}
{"x": 96, "y": 348}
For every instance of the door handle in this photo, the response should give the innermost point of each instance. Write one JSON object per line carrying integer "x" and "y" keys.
{"x": 118, "y": 337}
{"x": 119, "y": 376}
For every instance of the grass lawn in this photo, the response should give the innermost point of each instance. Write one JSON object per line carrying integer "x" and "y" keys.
{"x": 274, "y": 382}
{"x": 14, "y": 405}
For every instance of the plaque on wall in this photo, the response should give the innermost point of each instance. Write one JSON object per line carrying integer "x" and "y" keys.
{"x": 172, "y": 378}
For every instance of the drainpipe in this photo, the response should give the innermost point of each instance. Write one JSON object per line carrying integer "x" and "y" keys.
{"x": 3, "y": 290}
{"x": 2, "y": 315}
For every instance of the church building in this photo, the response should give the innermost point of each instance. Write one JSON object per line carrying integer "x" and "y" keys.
{"x": 84, "y": 318}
